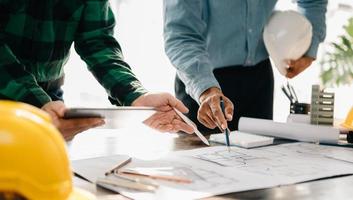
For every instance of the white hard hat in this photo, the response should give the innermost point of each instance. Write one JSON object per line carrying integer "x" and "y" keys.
{"x": 287, "y": 36}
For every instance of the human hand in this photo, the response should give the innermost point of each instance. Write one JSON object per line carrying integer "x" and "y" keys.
{"x": 165, "y": 119}
{"x": 297, "y": 66}
{"x": 69, "y": 127}
{"x": 168, "y": 121}
{"x": 210, "y": 113}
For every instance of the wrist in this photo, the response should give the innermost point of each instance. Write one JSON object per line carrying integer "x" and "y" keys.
{"x": 131, "y": 97}
{"x": 209, "y": 92}
{"x": 139, "y": 100}
{"x": 310, "y": 58}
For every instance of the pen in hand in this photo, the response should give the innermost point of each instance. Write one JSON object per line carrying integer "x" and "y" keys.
{"x": 226, "y": 131}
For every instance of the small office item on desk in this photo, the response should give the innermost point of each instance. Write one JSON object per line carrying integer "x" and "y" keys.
{"x": 350, "y": 137}
{"x": 287, "y": 94}
{"x": 295, "y": 106}
{"x": 100, "y": 171}
{"x": 226, "y": 131}
{"x": 299, "y": 108}
{"x": 292, "y": 91}
{"x": 94, "y": 168}
{"x": 294, "y": 131}
{"x": 348, "y": 125}
{"x": 120, "y": 165}
{"x": 116, "y": 117}
{"x": 137, "y": 180}
{"x": 298, "y": 118}
{"x": 322, "y": 106}
{"x": 241, "y": 139}
{"x": 154, "y": 174}
{"x": 116, "y": 112}
{"x": 189, "y": 122}
{"x": 111, "y": 184}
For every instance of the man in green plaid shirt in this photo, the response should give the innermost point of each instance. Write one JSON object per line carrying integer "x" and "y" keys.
{"x": 35, "y": 40}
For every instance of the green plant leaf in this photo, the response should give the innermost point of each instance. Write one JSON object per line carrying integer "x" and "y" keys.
{"x": 349, "y": 27}
{"x": 337, "y": 64}
{"x": 338, "y": 47}
{"x": 346, "y": 42}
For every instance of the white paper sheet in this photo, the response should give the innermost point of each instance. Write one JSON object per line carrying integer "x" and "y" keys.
{"x": 294, "y": 131}
{"x": 334, "y": 152}
{"x": 208, "y": 179}
{"x": 216, "y": 171}
{"x": 94, "y": 168}
{"x": 241, "y": 139}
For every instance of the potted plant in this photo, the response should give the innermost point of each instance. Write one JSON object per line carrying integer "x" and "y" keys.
{"x": 337, "y": 64}
{"x": 337, "y": 70}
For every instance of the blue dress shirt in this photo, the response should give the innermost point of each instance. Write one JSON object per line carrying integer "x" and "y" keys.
{"x": 202, "y": 35}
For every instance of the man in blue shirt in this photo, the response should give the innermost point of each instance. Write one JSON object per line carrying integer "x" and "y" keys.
{"x": 218, "y": 51}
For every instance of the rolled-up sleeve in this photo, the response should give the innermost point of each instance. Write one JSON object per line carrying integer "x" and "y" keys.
{"x": 99, "y": 49}
{"x": 315, "y": 11}
{"x": 185, "y": 45}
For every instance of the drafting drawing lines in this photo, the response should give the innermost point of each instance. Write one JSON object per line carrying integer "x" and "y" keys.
{"x": 264, "y": 162}
{"x": 201, "y": 178}
{"x": 232, "y": 158}
{"x": 285, "y": 168}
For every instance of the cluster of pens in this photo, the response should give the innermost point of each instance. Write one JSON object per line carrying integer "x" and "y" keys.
{"x": 289, "y": 91}
{"x": 295, "y": 106}
{"x": 141, "y": 180}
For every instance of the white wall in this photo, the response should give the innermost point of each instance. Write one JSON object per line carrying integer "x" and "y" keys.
{"x": 139, "y": 31}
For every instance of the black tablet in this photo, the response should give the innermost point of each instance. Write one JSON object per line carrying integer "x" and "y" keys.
{"x": 112, "y": 113}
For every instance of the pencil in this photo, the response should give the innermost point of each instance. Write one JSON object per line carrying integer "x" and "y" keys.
{"x": 127, "y": 184}
{"x": 137, "y": 180}
{"x": 155, "y": 176}
{"x": 294, "y": 94}
{"x": 189, "y": 122}
{"x": 286, "y": 93}
{"x": 122, "y": 164}
{"x": 226, "y": 132}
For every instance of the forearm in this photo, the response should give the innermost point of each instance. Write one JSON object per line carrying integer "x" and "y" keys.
{"x": 315, "y": 11}
{"x": 102, "y": 53}
{"x": 197, "y": 78}
{"x": 185, "y": 45}
{"x": 16, "y": 83}
{"x": 106, "y": 63}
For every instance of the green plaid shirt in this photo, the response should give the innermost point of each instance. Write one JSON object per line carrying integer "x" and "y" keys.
{"x": 35, "y": 40}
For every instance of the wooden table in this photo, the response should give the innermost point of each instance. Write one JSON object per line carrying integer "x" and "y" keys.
{"x": 142, "y": 142}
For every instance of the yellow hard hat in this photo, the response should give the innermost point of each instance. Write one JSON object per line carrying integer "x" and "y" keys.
{"x": 348, "y": 123}
{"x": 33, "y": 157}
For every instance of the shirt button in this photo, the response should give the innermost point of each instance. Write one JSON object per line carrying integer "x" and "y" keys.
{"x": 248, "y": 62}
{"x": 250, "y": 30}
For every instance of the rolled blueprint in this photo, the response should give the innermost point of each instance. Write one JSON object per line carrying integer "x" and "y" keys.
{"x": 294, "y": 131}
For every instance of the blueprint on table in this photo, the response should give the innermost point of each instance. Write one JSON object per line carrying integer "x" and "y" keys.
{"x": 216, "y": 171}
